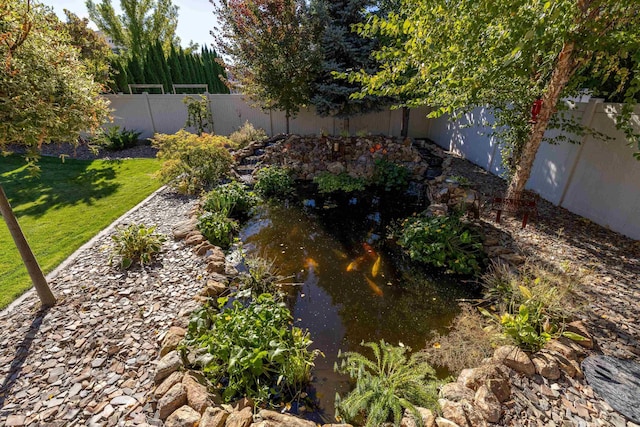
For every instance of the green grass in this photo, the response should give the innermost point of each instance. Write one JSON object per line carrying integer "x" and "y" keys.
{"x": 62, "y": 208}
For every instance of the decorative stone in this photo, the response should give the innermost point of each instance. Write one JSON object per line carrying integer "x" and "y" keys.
{"x": 197, "y": 395}
{"x": 428, "y": 419}
{"x": 284, "y": 420}
{"x": 123, "y": 401}
{"x": 515, "y": 358}
{"x": 169, "y": 363}
{"x": 184, "y": 416}
{"x": 172, "y": 400}
{"x": 171, "y": 340}
{"x": 561, "y": 348}
{"x": 203, "y": 248}
{"x": 443, "y": 422}
{"x": 546, "y": 366}
{"x": 195, "y": 239}
{"x": 181, "y": 229}
{"x": 476, "y": 377}
{"x": 216, "y": 267}
{"x": 213, "y": 288}
{"x": 240, "y": 419}
{"x": 213, "y": 417}
{"x": 15, "y": 420}
{"x": 169, "y": 382}
{"x": 453, "y": 411}
{"x": 579, "y": 328}
{"x": 456, "y": 392}
{"x": 336, "y": 168}
{"x": 487, "y": 404}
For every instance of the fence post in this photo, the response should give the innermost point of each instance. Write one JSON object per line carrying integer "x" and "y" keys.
{"x": 153, "y": 123}
{"x": 587, "y": 120}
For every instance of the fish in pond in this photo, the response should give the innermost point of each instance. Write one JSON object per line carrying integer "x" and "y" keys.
{"x": 369, "y": 250}
{"x": 355, "y": 264}
{"x": 311, "y": 263}
{"x": 376, "y": 267}
{"x": 375, "y": 288}
{"x": 339, "y": 254}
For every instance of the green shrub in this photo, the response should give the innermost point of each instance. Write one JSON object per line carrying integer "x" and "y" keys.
{"x": 218, "y": 228}
{"x": 386, "y": 386}
{"x": 442, "y": 241}
{"x": 252, "y": 350}
{"x": 274, "y": 182}
{"x": 234, "y": 198}
{"x": 135, "y": 243}
{"x": 199, "y": 114}
{"x": 390, "y": 176}
{"x": 193, "y": 163}
{"x": 330, "y": 183}
{"x": 112, "y": 138}
{"x": 246, "y": 135}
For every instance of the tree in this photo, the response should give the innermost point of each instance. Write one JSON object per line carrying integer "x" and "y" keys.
{"x": 272, "y": 56}
{"x": 342, "y": 50}
{"x": 142, "y": 23}
{"x": 45, "y": 94}
{"x": 512, "y": 56}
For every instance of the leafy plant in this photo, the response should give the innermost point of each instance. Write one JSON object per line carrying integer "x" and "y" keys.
{"x": 386, "y": 385}
{"x": 114, "y": 138}
{"x": 233, "y": 198}
{"x": 390, "y": 176}
{"x": 135, "y": 243}
{"x": 192, "y": 163}
{"x": 460, "y": 180}
{"x": 252, "y": 350}
{"x": 247, "y": 134}
{"x": 273, "y": 182}
{"x": 261, "y": 276}
{"x": 329, "y": 183}
{"x": 218, "y": 228}
{"x": 442, "y": 241}
{"x": 199, "y": 114}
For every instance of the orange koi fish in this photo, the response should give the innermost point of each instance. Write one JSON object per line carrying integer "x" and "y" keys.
{"x": 369, "y": 250}
{"x": 375, "y": 288}
{"x": 355, "y": 264}
{"x": 311, "y": 263}
{"x": 376, "y": 267}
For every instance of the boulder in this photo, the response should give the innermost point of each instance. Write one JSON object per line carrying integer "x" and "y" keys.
{"x": 476, "y": 377}
{"x": 242, "y": 418}
{"x": 456, "y": 392}
{"x": 169, "y": 363}
{"x": 428, "y": 419}
{"x": 443, "y": 422}
{"x": 183, "y": 417}
{"x": 284, "y": 420}
{"x": 183, "y": 228}
{"x": 197, "y": 395}
{"x": 170, "y": 381}
{"x": 487, "y": 404}
{"x": 515, "y": 358}
{"x": 172, "y": 339}
{"x": 546, "y": 366}
{"x": 453, "y": 411}
{"x": 565, "y": 365}
{"x": 212, "y": 289}
{"x": 172, "y": 400}
{"x": 213, "y": 417}
{"x": 195, "y": 239}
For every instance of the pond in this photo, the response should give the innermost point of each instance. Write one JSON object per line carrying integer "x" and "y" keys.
{"x": 352, "y": 285}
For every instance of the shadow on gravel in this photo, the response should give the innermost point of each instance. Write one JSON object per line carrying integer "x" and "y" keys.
{"x": 21, "y": 353}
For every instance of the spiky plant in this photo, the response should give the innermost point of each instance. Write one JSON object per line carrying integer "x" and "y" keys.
{"x": 387, "y": 385}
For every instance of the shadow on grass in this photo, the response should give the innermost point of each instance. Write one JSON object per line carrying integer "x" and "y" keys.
{"x": 58, "y": 184}
{"x": 21, "y": 353}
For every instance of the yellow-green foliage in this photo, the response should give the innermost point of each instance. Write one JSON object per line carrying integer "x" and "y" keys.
{"x": 247, "y": 134}
{"x": 193, "y": 163}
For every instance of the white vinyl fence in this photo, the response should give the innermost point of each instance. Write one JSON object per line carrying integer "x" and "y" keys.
{"x": 599, "y": 180}
{"x": 166, "y": 113}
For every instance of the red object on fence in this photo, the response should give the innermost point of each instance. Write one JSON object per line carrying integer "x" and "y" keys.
{"x": 535, "y": 109}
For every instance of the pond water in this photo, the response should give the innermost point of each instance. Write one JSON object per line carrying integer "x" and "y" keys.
{"x": 352, "y": 287}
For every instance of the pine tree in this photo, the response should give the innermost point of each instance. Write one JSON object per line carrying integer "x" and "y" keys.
{"x": 174, "y": 66}
{"x": 342, "y": 51}
{"x": 135, "y": 72}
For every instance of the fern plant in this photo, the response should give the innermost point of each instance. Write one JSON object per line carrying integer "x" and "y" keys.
{"x": 386, "y": 385}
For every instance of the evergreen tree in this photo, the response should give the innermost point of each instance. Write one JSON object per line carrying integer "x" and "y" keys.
{"x": 174, "y": 66}
{"x": 342, "y": 50}
{"x": 135, "y": 71}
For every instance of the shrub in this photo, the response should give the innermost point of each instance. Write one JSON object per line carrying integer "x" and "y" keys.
{"x": 191, "y": 162}
{"x": 135, "y": 243}
{"x": 112, "y": 138}
{"x": 466, "y": 343}
{"x": 217, "y": 228}
{"x": 274, "y": 182}
{"x": 329, "y": 183}
{"x": 253, "y": 351}
{"x": 233, "y": 198}
{"x": 386, "y": 386}
{"x": 442, "y": 241}
{"x": 198, "y": 114}
{"x": 390, "y": 176}
{"x": 247, "y": 134}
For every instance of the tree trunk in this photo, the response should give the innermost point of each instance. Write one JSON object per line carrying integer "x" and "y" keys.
{"x": 404, "y": 130}
{"x": 30, "y": 262}
{"x": 559, "y": 78}
{"x": 287, "y": 115}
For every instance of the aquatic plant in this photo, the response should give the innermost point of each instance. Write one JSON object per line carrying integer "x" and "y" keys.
{"x": 261, "y": 276}
{"x": 386, "y": 386}
{"x": 274, "y": 182}
{"x": 234, "y": 199}
{"x": 252, "y": 350}
{"x": 330, "y": 183}
{"x": 442, "y": 241}
{"x": 218, "y": 228}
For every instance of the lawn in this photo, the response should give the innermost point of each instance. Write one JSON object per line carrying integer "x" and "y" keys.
{"x": 62, "y": 208}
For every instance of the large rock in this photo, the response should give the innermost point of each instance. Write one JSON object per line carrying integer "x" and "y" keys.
{"x": 197, "y": 395}
{"x": 546, "y": 366}
{"x": 172, "y": 339}
{"x": 169, "y": 363}
{"x": 456, "y": 392}
{"x": 172, "y": 400}
{"x": 213, "y": 289}
{"x": 195, "y": 239}
{"x": 183, "y": 228}
{"x": 243, "y": 418}
{"x": 476, "y": 377}
{"x": 213, "y": 417}
{"x": 443, "y": 422}
{"x": 284, "y": 420}
{"x": 428, "y": 419}
{"x": 170, "y": 381}
{"x": 453, "y": 411}
{"x": 184, "y": 416}
{"x": 569, "y": 367}
{"x": 515, "y": 358}
{"x": 487, "y": 404}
